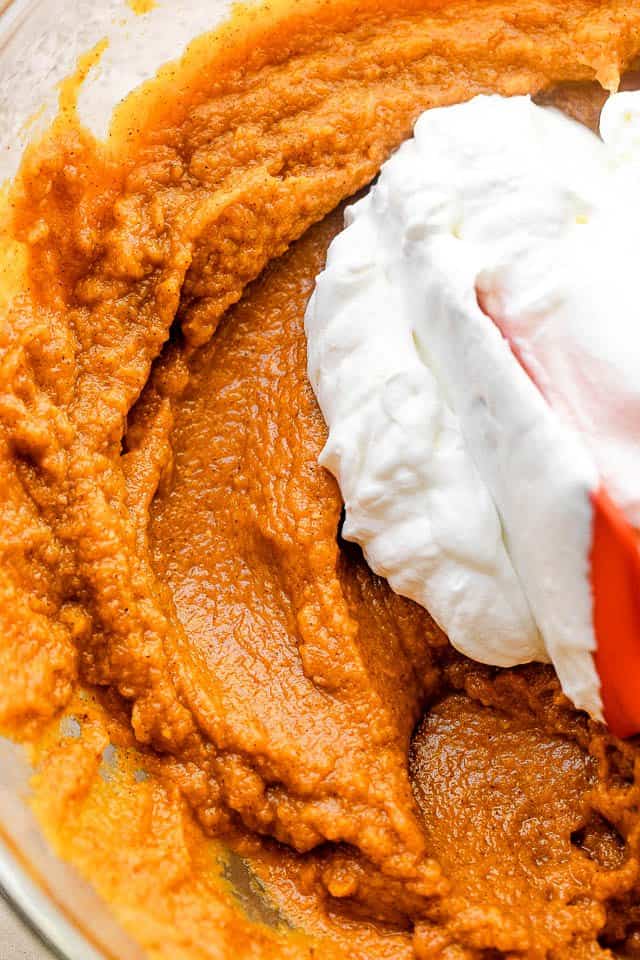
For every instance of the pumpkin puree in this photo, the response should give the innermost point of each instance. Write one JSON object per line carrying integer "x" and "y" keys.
{"x": 172, "y": 573}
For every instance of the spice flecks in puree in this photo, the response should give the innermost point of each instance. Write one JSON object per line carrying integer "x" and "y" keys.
{"x": 181, "y": 551}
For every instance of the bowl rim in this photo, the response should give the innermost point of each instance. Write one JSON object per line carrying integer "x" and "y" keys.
{"x": 28, "y": 901}
{"x": 37, "y": 912}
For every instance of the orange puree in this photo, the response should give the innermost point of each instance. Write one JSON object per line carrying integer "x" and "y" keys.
{"x": 172, "y": 571}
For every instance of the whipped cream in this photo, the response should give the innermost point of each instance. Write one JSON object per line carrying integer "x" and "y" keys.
{"x": 468, "y": 474}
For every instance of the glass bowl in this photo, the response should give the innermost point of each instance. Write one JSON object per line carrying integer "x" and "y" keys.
{"x": 40, "y": 41}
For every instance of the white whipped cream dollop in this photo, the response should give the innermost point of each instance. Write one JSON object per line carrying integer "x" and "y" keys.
{"x": 467, "y": 484}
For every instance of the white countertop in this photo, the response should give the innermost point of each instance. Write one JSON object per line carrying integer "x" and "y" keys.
{"x": 15, "y": 943}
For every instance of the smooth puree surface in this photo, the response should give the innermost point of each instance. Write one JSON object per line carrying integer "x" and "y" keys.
{"x": 173, "y": 574}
